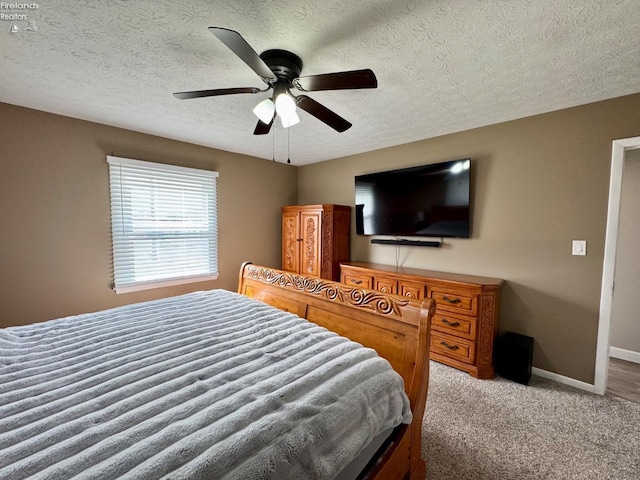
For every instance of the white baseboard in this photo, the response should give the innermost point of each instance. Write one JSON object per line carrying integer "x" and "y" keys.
{"x": 614, "y": 352}
{"x": 622, "y": 354}
{"x": 572, "y": 382}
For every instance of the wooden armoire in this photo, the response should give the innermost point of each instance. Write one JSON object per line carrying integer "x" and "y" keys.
{"x": 315, "y": 239}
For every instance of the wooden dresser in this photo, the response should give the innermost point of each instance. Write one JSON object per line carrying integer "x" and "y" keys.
{"x": 465, "y": 325}
{"x": 315, "y": 239}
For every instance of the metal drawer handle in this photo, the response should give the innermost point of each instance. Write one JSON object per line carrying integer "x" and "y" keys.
{"x": 450, "y": 347}
{"x": 357, "y": 282}
{"x": 447, "y": 322}
{"x": 451, "y": 300}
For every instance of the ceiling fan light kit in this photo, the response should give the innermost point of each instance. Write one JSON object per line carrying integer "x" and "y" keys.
{"x": 280, "y": 70}
{"x": 285, "y": 105}
{"x": 289, "y": 120}
{"x": 265, "y": 110}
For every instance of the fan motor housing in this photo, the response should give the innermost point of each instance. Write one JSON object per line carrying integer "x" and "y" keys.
{"x": 285, "y": 65}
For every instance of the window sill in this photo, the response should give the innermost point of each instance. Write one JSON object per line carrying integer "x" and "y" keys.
{"x": 136, "y": 287}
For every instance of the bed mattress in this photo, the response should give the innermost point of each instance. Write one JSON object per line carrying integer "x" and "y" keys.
{"x": 208, "y": 385}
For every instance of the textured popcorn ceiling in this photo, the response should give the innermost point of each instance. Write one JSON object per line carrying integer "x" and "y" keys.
{"x": 442, "y": 66}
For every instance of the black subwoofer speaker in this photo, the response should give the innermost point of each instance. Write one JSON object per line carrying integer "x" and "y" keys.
{"x": 515, "y": 357}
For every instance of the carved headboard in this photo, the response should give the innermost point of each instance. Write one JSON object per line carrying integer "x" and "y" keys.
{"x": 396, "y": 327}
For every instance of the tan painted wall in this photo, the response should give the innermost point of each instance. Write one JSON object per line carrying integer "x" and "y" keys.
{"x": 55, "y": 233}
{"x": 538, "y": 183}
{"x": 625, "y": 308}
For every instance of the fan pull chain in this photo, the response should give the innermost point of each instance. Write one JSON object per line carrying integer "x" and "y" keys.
{"x": 273, "y": 144}
{"x": 289, "y": 145}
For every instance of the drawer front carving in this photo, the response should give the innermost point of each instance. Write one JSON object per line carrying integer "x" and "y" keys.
{"x": 385, "y": 285}
{"x": 453, "y": 347}
{"x": 464, "y": 303}
{"x": 453, "y": 324}
{"x": 412, "y": 290}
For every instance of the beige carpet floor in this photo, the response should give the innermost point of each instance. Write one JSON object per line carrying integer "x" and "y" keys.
{"x": 498, "y": 429}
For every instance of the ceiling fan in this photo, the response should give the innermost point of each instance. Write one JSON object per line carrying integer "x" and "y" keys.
{"x": 280, "y": 70}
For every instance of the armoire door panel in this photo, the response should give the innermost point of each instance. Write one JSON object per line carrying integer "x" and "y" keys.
{"x": 310, "y": 244}
{"x": 290, "y": 243}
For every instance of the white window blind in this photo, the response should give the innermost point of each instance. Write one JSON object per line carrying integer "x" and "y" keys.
{"x": 164, "y": 224}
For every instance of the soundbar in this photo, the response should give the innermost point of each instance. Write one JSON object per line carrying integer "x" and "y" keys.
{"x": 405, "y": 242}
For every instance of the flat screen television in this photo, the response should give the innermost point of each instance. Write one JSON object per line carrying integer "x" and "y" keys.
{"x": 425, "y": 201}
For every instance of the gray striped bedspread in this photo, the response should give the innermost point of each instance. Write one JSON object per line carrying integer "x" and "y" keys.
{"x": 207, "y": 385}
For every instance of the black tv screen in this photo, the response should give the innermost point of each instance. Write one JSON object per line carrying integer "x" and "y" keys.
{"x": 425, "y": 201}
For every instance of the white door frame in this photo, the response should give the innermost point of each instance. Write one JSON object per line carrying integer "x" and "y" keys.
{"x": 608, "y": 270}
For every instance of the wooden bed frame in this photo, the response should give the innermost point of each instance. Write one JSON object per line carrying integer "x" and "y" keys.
{"x": 396, "y": 327}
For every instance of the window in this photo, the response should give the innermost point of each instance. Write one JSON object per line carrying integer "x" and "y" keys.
{"x": 164, "y": 224}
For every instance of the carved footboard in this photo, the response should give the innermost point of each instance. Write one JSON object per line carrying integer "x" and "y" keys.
{"x": 396, "y": 327}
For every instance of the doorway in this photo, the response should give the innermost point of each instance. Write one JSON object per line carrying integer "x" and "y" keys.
{"x": 608, "y": 274}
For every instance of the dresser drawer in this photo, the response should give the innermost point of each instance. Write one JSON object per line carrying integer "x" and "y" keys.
{"x": 461, "y": 302}
{"x": 361, "y": 281}
{"x": 453, "y": 347}
{"x": 466, "y": 310}
{"x": 458, "y": 325}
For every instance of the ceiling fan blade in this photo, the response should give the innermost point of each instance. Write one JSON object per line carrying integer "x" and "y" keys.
{"x": 241, "y": 48}
{"x": 354, "y": 79}
{"x": 215, "y": 93}
{"x": 263, "y": 128}
{"x": 322, "y": 113}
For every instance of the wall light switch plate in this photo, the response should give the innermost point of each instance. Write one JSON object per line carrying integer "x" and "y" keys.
{"x": 579, "y": 247}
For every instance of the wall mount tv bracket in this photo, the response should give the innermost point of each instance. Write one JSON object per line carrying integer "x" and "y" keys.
{"x": 409, "y": 243}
